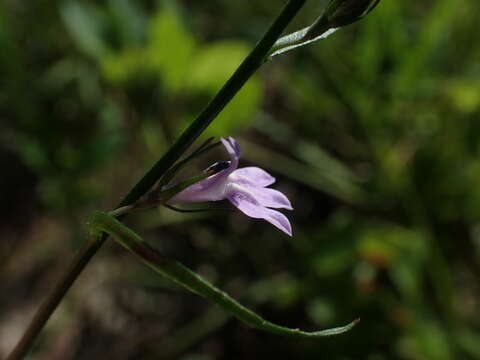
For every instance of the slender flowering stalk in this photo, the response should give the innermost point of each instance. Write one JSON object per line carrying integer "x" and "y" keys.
{"x": 248, "y": 67}
{"x": 243, "y": 187}
{"x": 246, "y": 188}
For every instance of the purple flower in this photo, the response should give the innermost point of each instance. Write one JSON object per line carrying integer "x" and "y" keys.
{"x": 246, "y": 188}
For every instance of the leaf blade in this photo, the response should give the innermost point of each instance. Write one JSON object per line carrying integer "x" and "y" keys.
{"x": 183, "y": 276}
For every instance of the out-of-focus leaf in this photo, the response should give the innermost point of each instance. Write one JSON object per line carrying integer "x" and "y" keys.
{"x": 431, "y": 341}
{"x": 388, "y": 243}
{"x": 333, "y": 261}
{"x": 124, "y": 65}
{"x": 211, "y": 68}
{"x": 85, "y": 24}
{"x": 130, "y": 19}
{"x": 312, "y": 176}
{"x": 469, "y": 341}
{"x": 433, "y": 33}
{"x": 401, "y": 250}
{"x": 170, "y": 49}
{"x": 322, "y": 311}
{"x": 464, "y": 95}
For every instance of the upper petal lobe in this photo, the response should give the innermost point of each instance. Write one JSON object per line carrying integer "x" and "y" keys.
{"x": 253, "y": 176}
{"x": 233, "y": 150}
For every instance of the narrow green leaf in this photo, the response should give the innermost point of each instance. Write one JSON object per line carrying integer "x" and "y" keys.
{"x": 337, "y": 14}
{"x": 175, "y": 271}
{"x": 298, "y": 39}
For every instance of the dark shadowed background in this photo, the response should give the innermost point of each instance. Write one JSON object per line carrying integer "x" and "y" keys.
{"x": 372, "y": 133}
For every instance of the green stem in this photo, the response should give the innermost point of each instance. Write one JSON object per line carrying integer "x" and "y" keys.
{"x": 46, "y": 309}
{"x": 248, "y": 67}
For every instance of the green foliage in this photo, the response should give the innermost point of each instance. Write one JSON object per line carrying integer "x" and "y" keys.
{"x": 187, "y": 69}
{"x": 373, "y": 134}
{"x": 85, "y": 24}
{"x": 170, "y": 50}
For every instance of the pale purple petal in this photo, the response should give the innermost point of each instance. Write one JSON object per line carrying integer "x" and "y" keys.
{"x": 252, "y": 176}
{"x": 246, "y": 203}
{"x": 270, "y": 198}
{"x": 210, "y": 189}
{"x": 233, "y": 150}
{"x": 246, "y": 189}
{"x": 236, "y": 146}
{"x": 213, "y": 187}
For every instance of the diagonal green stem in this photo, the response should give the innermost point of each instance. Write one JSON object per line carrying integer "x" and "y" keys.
{"x": 183, "y": 276}
{"x": 248, "y": 67}
{"x": 46, "y": 309}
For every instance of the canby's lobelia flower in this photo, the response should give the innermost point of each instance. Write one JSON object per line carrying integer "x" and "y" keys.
{"x": 246, "y": 188}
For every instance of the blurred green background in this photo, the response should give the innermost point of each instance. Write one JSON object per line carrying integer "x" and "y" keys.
{"x": 372, "y": 133}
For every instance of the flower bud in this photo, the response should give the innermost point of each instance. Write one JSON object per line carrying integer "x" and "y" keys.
{"x": 338, "y": 13}
{"x": 344, "y": 12}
